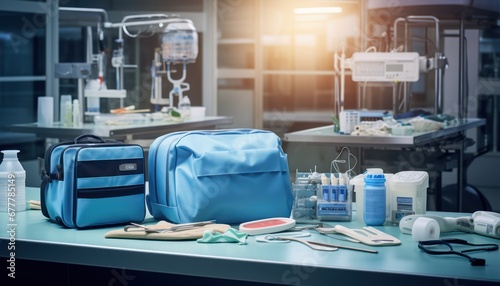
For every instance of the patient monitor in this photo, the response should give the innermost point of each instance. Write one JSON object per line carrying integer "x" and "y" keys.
{"x": 384, "y": 67}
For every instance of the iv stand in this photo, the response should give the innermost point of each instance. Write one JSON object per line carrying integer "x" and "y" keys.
{"x": 179, "y": 85}
{"x": 118, "y": 61}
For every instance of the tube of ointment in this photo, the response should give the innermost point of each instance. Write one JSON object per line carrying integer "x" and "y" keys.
{"x": 333, "y": 180}
{"x": 324, "y": 179}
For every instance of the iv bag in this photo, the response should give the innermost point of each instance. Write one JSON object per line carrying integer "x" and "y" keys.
{"x": 179, "y": 43}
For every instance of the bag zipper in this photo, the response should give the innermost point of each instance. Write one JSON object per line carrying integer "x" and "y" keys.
{"x": 82, "y": 146}
{"x": 107, "y": 193}
{"x": 46, "y": 176}
{"x": 155, "y": 156}
{"x": 99, "y": 193}
{"x": 85, "y": 146}
{"x": 186, "y": 133}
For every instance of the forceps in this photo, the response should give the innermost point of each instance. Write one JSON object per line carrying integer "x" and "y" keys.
{"x": 323, "y": 247}
{"x": 178, "y": 227}
{"x": 318, "y": 245}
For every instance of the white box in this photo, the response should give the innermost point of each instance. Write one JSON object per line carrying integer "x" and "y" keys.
{"x": 408, "y": 194}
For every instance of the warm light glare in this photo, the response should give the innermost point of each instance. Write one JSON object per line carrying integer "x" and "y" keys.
{"x": 318, "y": 10}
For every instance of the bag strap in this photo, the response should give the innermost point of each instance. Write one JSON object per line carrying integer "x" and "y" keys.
{"x": 43, "y": 190}
{"x": 47, "y": 178}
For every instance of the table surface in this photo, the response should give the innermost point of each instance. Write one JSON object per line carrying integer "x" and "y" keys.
{"x": 283, "y": 263}
{"x": 325, "y": 134}
{"x": 151, "y": 129}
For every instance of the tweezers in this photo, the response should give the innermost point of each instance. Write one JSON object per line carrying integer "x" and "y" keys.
{"x": 178, "y": 227}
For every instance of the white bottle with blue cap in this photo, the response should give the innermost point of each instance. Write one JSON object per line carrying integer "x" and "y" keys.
{"x": 374, "y": 199}
{"x": 12, "y": 183}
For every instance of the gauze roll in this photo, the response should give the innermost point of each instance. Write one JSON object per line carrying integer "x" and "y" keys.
{"x": 425, "y": 229}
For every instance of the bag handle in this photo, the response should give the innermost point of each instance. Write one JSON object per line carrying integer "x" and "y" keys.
{"x": 43, "y": 190}
{"x": 89, "y": 138}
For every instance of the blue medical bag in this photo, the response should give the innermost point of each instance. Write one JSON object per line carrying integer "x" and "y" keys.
{"x": 91, "y": 182}
{"x": 230, "y": 176}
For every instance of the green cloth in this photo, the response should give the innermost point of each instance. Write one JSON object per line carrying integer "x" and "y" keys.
{"x": 231, "y": 235}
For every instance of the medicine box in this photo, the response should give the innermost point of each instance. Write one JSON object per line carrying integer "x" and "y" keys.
{"x": 314, "y": 200}
{"x": 408, "y": 194}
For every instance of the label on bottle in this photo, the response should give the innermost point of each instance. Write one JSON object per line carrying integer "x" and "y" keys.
{"x": 404, "y": 203}
{"x": 14, "y": 185}
{"x": 374, "y": 206}
{"x": 327, "y": 209}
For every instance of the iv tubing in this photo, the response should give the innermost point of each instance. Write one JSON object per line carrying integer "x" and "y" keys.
{"x": 342, "y": 79}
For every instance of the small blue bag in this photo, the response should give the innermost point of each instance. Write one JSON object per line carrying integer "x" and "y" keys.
{"x": 91, "y": 182}
{"x": 230, "y": 176}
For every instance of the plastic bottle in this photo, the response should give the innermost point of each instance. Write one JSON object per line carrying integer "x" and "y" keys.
{"x": 77, "y": 116}
{"x": 185, "y": 107}
{"x": 374, "y": 200}
{"x": 12, "y": 183}
{"x": 93, "y": 105}
{"x": 62, "y": 108}
{"x": 68, "y": 114}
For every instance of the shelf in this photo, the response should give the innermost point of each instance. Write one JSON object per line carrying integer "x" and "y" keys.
{"x": 235, "y": 73}
{"x": 475, "y": 12}
{"x": 325, "y": 134}
{"x": 235, "y": 41}
{"x": 299, "y": 72}
{"x": 107, "y": 93}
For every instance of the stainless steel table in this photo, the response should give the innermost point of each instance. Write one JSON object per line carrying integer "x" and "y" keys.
{"x": 37, "y": 239}
{"x": 126, "y": 132}
{"x": 326, "y": 135}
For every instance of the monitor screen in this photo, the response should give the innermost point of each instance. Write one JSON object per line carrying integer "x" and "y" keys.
{"x": 394, "y": 67}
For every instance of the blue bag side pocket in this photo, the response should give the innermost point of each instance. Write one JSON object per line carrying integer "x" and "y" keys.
{"x": 95, "y": 207}
{"x": 233, "y": 186}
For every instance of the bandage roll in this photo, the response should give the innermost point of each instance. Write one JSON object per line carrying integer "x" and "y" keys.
{"x": 425, "y": 229}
